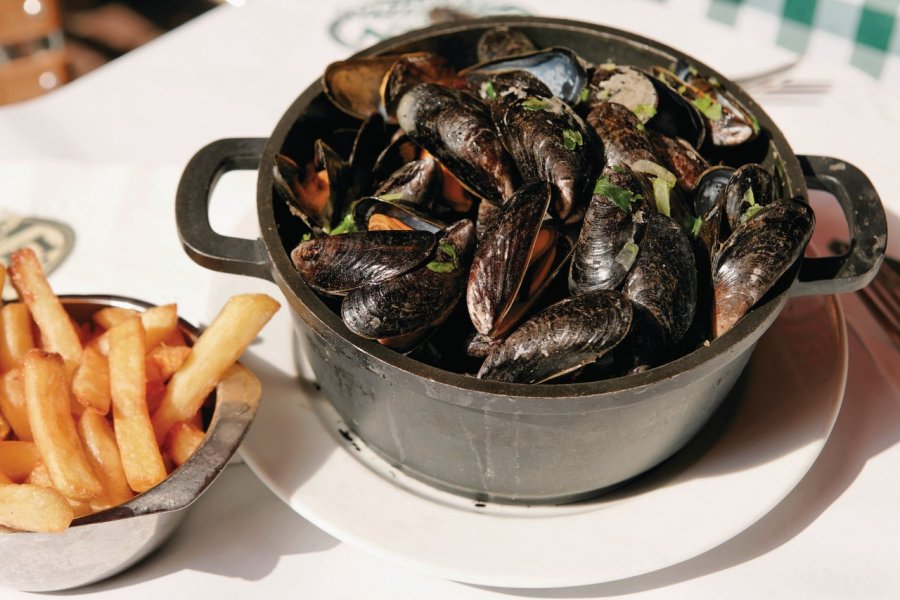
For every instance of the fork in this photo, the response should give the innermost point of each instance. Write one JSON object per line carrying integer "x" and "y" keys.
{"x": 882, "y": 295}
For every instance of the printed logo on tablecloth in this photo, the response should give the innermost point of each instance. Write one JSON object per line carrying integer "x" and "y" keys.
{"x": 372, "y": 22}
{"x": 52, "y": 241}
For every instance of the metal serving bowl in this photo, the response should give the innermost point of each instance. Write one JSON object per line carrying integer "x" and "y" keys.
{"x": 100, "y": 545}
{"x": 498, "y": 441}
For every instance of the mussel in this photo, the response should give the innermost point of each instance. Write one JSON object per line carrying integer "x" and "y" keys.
{"x": 559, "y": 69}
{"x": 749, "y": 189}
{"x": 457, "y": 129}
{"x": 502, "y": 42}
{"x": 624, "y": 138}
{"x": 755, "y": 256}
{"x": 566, "y": 336}
{"x": 624, "y": 85}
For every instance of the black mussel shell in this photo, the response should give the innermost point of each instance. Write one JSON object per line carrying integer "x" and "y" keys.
{"x": 354, "y": 85}
{"x": 621, "y": 133}
{"x": 681, "y": 158}
{"x": 664, "y": 277}
{"x": 419, "y": 182}
{"x": 559, "y": 69}
{"x": 756, "y": 255}
{"x": 751, "y": 185}
{"x": 502, "y": 257}
{"x": 549, "y": 142}
{"x": 457, "y": 129}
{"x": 480, "y": 345}
{"x": 676, "y": 116}
{"x": 566, "y": 336}
{"x": 337, "y": 264}
{"x": 410, "y": 70}
{"x": 289, "y": 181}
{"x": 398, "y": 215}
{"x": 417, "y": 301}
{"x": 607, "y": 246}
{"x": 709, "y": 188}
{"x": 487, "y": 214}
{"x": 398, "y": 152}
{"x": 502, "y": 42}
{"x": 624, "y": 85}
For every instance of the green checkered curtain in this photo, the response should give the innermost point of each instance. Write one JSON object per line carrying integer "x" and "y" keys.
{"x": 862, "y": 33}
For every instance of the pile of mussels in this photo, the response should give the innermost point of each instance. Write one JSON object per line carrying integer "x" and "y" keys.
{"x": 495, "y": 180}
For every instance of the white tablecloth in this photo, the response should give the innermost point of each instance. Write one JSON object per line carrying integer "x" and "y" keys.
{"x": 105, "y": 153}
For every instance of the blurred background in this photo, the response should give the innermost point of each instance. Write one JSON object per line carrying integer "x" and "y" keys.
{"x": 47, "y": 43}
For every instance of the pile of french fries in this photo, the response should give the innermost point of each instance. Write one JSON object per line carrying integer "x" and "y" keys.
{"x": 93, "y": 413}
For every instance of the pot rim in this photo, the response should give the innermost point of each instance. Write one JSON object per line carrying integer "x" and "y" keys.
{"x": 322, "y": 319}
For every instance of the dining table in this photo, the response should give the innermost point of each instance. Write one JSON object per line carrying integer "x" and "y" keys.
{"x": 103, "y": 155}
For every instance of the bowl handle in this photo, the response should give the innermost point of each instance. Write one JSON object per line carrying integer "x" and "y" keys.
{"x": 206, "y": 247}
{"x": 865, "y": 221}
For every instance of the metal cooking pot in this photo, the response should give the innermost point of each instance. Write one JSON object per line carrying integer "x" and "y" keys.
{"x": 514, "y": 442}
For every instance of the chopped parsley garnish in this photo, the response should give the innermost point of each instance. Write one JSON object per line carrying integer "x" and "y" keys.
{"x": 445, "y": 266}
{"x": 751, "y": 211}
{"x": 627, "y": 255}
{"x": 640, "y": 127}
{"x": 754, "y": 123}
{"x": 714, "y": 82}
{"x": 661, "y": 189}
{"x": 572, "y": 139}
{"x": 306, "y": 236}
{"x": 489, "y": 90}
{"x": 749, "y": 197}
{"x": 583, "y": 96}
{"x": 696, "y": 224}
{"x": 620, "y": 196}
{"x": 709, "y": 107}
{"x": 532, "y": 103}
{"x": 347, "y": 225}
{"x": 644, "y": 112}
{"x": 681, "y": 89}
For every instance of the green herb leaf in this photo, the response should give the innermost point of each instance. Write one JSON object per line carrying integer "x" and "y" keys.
{"x": 441, "y": 267}
{"x": 489, "y": 90}
{"x": 620, "y": 196}
{"x": 449, "y": 250}
{"x": 306, "y": 236}
{"x": 749, "y": 198}
{"x": 708, "y": 106}
{"x": 347, "y": 225}
{"x": 681, "y": 89}
{"x": 532, "y": 103}
{"x": 608, "y": 66}
{"x": 692, "y": 69}
{"x": 584, "y": 95}
{"x": 751, "y": 211}
{"x": 572, "y": 139}
{"x": 754, "y": 123}
{"x": 627, "y": 255}
{"x": 661, "y": 195}
{"x": 644, "y": 112}
{"x": 714, "y": 82}
{"x": 640, "y": 127}
{"x": 696, "y": 224}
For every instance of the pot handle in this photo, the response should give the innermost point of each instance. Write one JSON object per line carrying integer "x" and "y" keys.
{"x": 206, "y": 247}
{"x": 865, "y": 222}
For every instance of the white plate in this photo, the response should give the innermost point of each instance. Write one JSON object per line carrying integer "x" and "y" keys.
{"x": 751, "y": 456}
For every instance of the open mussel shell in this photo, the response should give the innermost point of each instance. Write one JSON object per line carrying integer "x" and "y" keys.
{"x": 496, "y": 89}
{"x": 502, "y": 42}
{"x": 621, "y": 134}
{"x": 410, "y": 70}
{"x": 624, "y": 85}
{"x": 398, "y": 152}
{"x": 375, "y": 214}
{"x": 404, "y": 307}
{"x": 306, "y": 193}
{"x": 727, "y": 124}
{"x": 515, "y": 262}
{"x": 559, "y": 69}
{"x": 710, "y": 186}
{"x": 681, "y": 158}
{"x": 457, "y": 129}
{"x": 664, "y": 277}
{"x": 610, "y": 237}
{"x": 749, "y": 186}
{"x": 565, "y": 336}
{"x": 337, "y": 264}
{"x": 354, "y": 85}
{"x": 549, "y": 142}
{"x": 419, "y": 183}
{"x": 676, "y": 116}
{"x": 755, "y": 256}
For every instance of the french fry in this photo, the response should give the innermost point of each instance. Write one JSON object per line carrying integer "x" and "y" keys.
{"x": 16, "y": 338}
{"x": 5, "y": 429}
{"x": 4, "y": 478}
{"x": 2, "y": 278}
{"x": 181, "y": 442}
{"x": 34, "y": 508}
{"x": 226, "y": 338}
{"x": 165, "y": 360}
{"x": 12, "y": 403}
{"x": 90, "y": 385}
{"x": 49, "y": 414}
{"x": 109, "y": 316}
{"x": 17, "y": 459}
{"x": 141, "y": 458}
{"x": 158, "y": 321}
{"x": 103, "y": 453}
{"x": 40, "y": 476}
{"x": 57, "y": 332}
